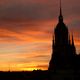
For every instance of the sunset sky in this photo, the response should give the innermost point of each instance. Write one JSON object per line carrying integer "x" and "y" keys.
{"x": 26, "y": 30}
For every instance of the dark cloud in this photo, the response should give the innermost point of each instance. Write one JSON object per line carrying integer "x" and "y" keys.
{"x": 15, "y": 11}
{"x": 29, "y": 12}
{"x": 33, "y": 10}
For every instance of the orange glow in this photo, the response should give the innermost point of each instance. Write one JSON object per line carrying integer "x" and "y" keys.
{"x": 29, "y": 48}
{"x": 28, "y": 69}
{"x": 22, "y": 67}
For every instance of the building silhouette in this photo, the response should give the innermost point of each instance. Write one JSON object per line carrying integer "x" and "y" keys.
{"x": 63, "y": 48}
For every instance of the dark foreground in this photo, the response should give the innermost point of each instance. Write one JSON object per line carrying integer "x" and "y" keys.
{"x": 34, "y": 75}
{"x": 40, "y": 75}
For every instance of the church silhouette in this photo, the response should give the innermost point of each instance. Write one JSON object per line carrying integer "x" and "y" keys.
{"x": 64, "y": 57}
{"x": 63, "y": 49}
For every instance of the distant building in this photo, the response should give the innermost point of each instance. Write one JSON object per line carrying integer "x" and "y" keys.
{"x": 63, "y": 49}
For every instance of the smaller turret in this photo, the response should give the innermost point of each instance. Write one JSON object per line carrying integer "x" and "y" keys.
{"x": 72, "y": 41}
{"x": 69, "y": 39}
{"x": 73, "y": 46}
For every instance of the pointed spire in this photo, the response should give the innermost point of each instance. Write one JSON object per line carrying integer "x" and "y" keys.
{"x": 60, "y": 16}
{"x": 72, "y": 41}
{"x": 69, "y": 39}
{"x": 60, "y": 9}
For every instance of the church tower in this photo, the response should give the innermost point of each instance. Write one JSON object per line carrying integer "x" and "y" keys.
{"x": 62, "y": 50}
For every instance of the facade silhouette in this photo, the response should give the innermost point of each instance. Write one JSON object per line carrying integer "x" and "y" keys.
{"x": 63, "y": 48}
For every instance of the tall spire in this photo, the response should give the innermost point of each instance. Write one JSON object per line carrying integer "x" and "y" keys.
{"x": 60, "y": 9}
{"x": 60, "y": 16}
